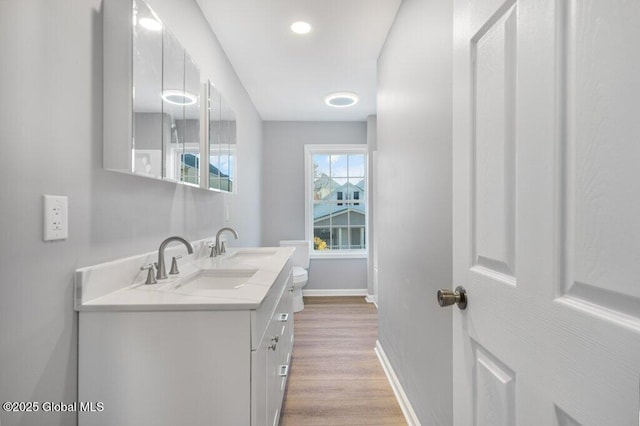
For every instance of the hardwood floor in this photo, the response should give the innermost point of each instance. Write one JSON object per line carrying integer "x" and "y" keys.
{"x": 335, "y": 376}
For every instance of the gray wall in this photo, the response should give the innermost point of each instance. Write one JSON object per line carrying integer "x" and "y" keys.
{"x": 283, "y": 193}
{"x": 51, "y": 138}
{"x": 151, "y": 130}
{"x": 413, "y": 208}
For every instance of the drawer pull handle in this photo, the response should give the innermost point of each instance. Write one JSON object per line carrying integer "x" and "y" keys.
{"x": 284, "y": 317}
{"x": 274, "y": 343}
{"x": 284, "y": 370}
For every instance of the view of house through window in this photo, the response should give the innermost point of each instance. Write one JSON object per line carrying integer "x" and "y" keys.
{"x": 339, "y": 204}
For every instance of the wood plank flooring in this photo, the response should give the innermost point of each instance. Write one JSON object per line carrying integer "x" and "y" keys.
{"x": 335, "y": 376}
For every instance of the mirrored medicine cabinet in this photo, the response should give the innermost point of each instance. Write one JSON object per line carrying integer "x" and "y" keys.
{"x": 161, "y": 115}
{"x": 222, "y": 142}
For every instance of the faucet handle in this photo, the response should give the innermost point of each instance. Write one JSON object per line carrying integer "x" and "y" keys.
{"x": 151, "y": 273}
{"x": 223, "y": 247}
{"x": 174, "y": 265}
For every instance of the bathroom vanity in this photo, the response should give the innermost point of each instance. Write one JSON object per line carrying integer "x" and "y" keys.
{"x": 208, "y": 346}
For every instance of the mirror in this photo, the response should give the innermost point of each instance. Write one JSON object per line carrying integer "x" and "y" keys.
{"x": 155, "y": 124}
{"x": 227, "y": 146}
{"x": 222, "y": 143}
{"x": 148, "y": 132}
{"x": 214, "y": 137}
{"x": 181, "y": 113}
{"x": 173, "y": 103}
{"x": 190, "y": 156}
{"x": 160, "y": 88}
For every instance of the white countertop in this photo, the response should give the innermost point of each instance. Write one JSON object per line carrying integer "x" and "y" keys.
{"x": 119, "y": 285}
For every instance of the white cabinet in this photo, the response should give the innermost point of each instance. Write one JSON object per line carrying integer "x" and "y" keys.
{"x": 277, "y": 344}
{"x": 192, "y": 367}
{"x": 270, "y": 362}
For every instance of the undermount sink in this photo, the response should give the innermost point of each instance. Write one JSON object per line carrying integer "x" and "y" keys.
{"x": 252, "y": 255}
{"x": 215, "y": 280}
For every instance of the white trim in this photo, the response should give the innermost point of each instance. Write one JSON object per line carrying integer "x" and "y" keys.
{"x": 310, "y": 149}
{"x": 335, "y": 292}
{"x": 336, "y": 148}
{"x": 371, "y": 298}
{"x": 401, "y": 396}
{"x": 335, "y": 254}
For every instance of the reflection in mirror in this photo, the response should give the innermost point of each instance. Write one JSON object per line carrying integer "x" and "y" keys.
{"x": 147, "y": 87}
{"x": 214, "y": 137}
{"x": 174, "y": 99}
{"x": 222, "y": 142}
{"x": 189, "y": 127}
{"x": 227, "y": 141}
{"x": 232, "y": 149}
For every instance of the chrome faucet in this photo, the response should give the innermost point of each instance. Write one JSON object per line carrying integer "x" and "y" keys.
{"x": 162, "y": 274}
{"x": 219, "y": 247}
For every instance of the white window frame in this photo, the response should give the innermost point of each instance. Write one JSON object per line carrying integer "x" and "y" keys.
{"x": 309, "y": 151}
{"x": 176, "y": 160}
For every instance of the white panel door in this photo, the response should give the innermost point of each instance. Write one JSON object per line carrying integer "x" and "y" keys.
{"x": 547, "y": 212}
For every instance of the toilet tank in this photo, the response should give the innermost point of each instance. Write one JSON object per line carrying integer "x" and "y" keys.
{"x": 300, "y": 256}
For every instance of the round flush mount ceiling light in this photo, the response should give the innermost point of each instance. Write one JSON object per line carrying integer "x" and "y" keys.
{"x": 301, "y": 27}
{"x": 341, "y": 99}
{"x": 150, "y": 24}
{"x": 178, "y": 97}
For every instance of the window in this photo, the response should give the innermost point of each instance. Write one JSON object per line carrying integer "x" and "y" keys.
{"x": 336, "y": 207}
{"x": 190, "y": 167}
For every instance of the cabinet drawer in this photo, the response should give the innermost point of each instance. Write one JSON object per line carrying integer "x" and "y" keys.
{"x": 263, "y": 377}
{"x": 260, "y": 317}
{"x": 271, "y": 354}
{"x": 283, "y": 318}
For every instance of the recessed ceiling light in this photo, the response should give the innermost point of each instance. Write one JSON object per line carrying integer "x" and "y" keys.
{"x": 341, "y": 99}
{"x": 150, "y": 24}
{"x": 301, "y": 27}
{"x": 178, "y": 97}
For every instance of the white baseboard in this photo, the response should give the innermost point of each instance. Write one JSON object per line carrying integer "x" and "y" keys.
{"x": 370, "y": 298}
{"x": 405, "y": 405}
{"x": 335, "y": 292}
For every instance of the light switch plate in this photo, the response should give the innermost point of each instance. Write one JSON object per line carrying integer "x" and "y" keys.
{"x": 55, "y": 217}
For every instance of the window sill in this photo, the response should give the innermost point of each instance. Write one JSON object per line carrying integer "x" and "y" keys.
{"x": 339, "y": 255}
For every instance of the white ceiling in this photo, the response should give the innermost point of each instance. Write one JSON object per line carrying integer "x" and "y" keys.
{"x": 288, "y": 75}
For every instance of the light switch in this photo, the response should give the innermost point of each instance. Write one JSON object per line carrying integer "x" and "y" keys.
{"x": 55, "y": 217}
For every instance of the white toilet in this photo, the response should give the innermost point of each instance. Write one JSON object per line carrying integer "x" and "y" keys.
{"x": 300, "y": 261}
